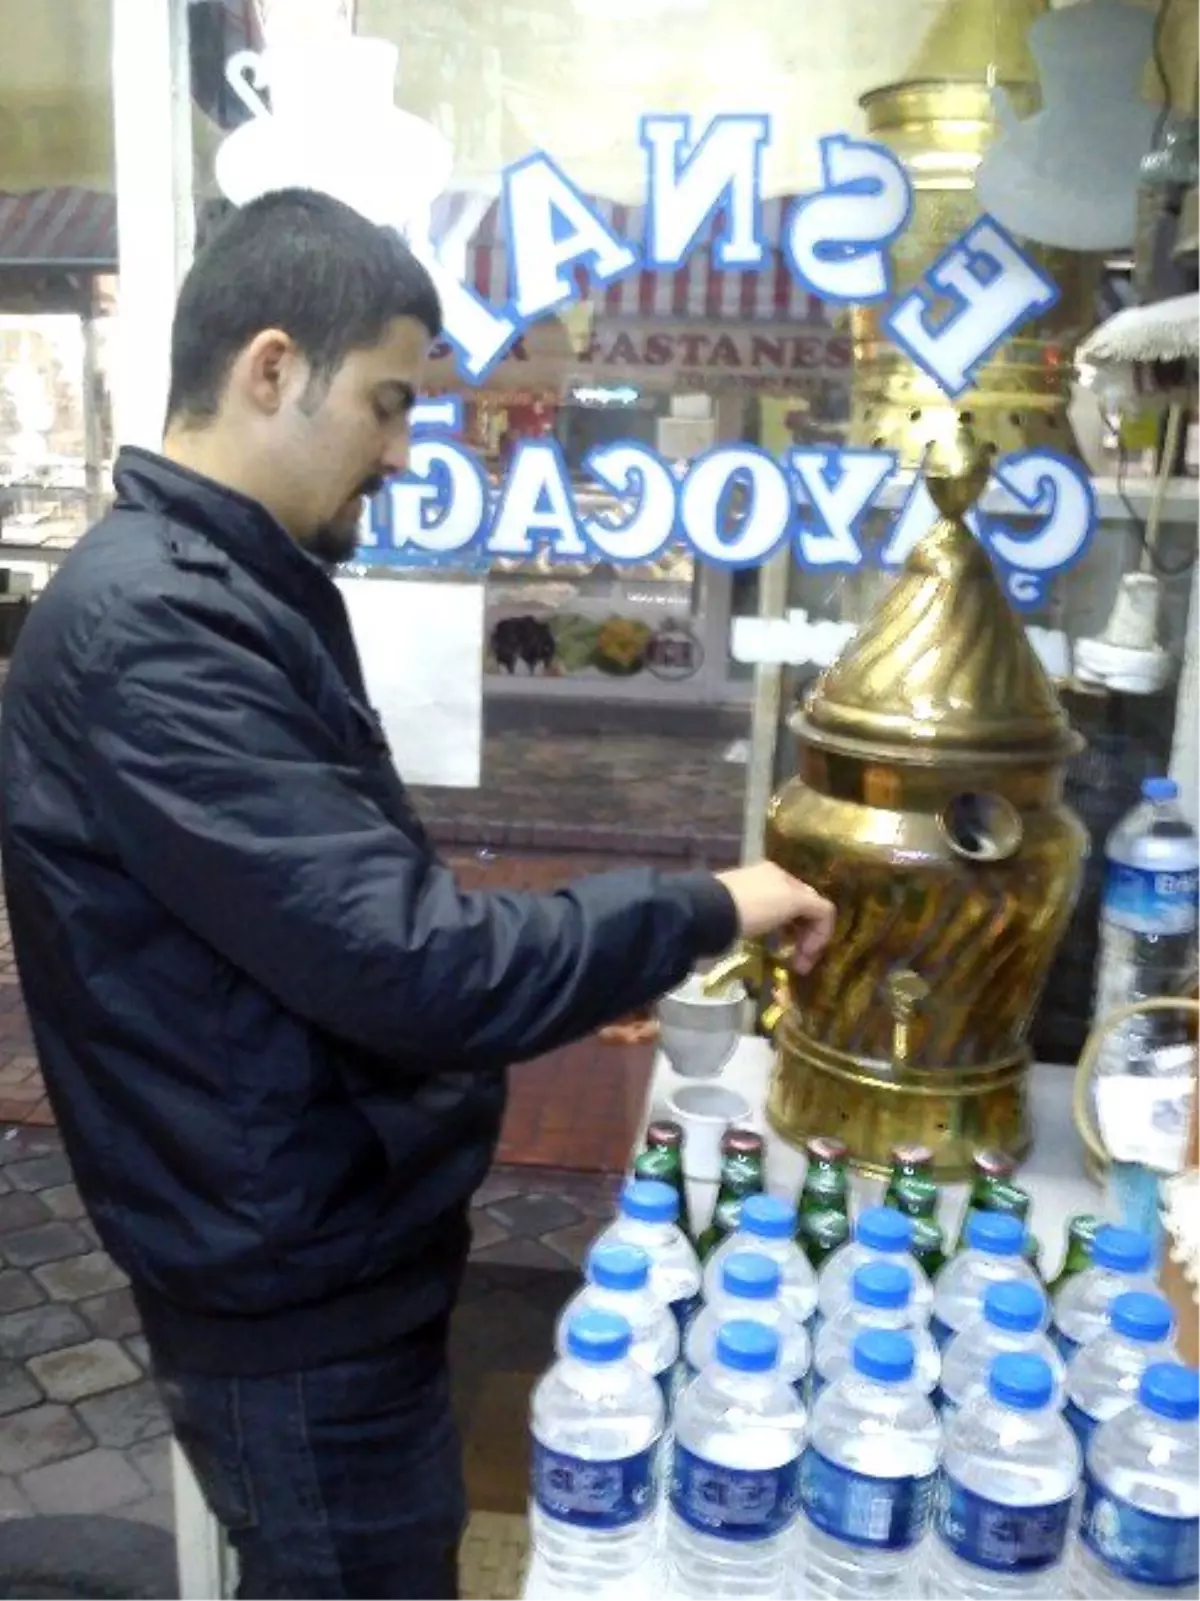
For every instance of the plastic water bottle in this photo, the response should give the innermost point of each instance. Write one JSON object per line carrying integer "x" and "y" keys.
{"x": 995, "y": 1242}
{"x": 749, "y": 1291}
{"x": 1121, "y": 1261}
{"x": 1147, "y": 923}
{"x": 768, "y": 1227}
{"x": 618, "y": 1281}
{"x": 597, "y": 1423}
{"x": 880, "y": 1298}
{"x": 868, "y": 1474}
{"x": 1104, "y": 1377}
{"x": 1013, "y": 1319}
{"x": 647, "y": 1218}
{"x": 880, "y": 1232}
{"x": 739, "y": 1431}
{"x": 1141, "y": 1495}
{"x": 1010, "y": 1470}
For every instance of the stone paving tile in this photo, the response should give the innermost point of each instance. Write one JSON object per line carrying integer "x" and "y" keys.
{"x": 527, "y": 1216}
{"x": 127, "y": 1416}
{"x": 46, "y": 1433}
{"x": 99, "y": 1480}
{"x": 78, "y": 1276}
{"x": 573, "y": 1243}
{"x": 40, "y": 1173}
{"x": 521, "y": 1253}
{"x": 157, "y": 1509}
{"x": 113, "y": 1315}
{"x": 12, "y": 1503}
{"x": 152, "y": 1459}
{"x": 24, "y": 1145}
{"x": 19, "y": 1210}
{"x": 80, "y": 1370}
{"x": 17, "y": 1389}
{"x": 64, "y": 1201}
{"x": 18, "y": 1290}
{"x": 41, "y": 1328}
{"x": 49, "y": 1242}
{"x": 139, "y": 1351}
{"x": 485, "y": 1231}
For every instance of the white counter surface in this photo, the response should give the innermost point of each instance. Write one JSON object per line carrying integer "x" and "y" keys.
{"x": 1053, "y": 1173}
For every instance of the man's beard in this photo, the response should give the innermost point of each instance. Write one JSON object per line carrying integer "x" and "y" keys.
{"x": 336, "y": 542}
{"x": 333, "y": 542}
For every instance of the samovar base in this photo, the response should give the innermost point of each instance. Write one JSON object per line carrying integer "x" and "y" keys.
{"x": 817, "y": 1090}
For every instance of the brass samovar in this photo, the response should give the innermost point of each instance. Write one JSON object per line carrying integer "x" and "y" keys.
{"x": 938, "y": 119}
{"x": 928, "y": 807}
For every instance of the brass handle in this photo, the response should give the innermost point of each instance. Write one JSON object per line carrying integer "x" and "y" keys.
{"x": 1085, "y": 1123}
{"x": 745, "y": 964}
{"x": 906, "y": 992}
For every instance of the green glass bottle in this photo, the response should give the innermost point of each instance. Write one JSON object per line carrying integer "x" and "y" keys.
{"x": 929, "y": 1245}
{"x": 994, "y": 1191}
{"x": 742, "y": 1174}
{"x": 912, "y": 1188}
{"x": 993, "y": 1170}
{"x": 823, "y": 1221}
{"x": 1081, "y": 1231}
{"x": 661, "y": 1158}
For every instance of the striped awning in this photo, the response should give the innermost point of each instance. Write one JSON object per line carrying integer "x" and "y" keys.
{"x": 78, "y": 228}
{"x": 59, "y": 228}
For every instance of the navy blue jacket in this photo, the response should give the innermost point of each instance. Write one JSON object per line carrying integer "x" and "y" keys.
{"x": 274, "y": 1031}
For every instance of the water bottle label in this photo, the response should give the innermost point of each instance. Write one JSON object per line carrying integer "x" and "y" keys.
{"x": 887, "y": 1514}
{"x": 684, "y": 1311}
{"x": 594, "y": 1495}
{"x": 1148, "y": 902}
{"x": 1066, "y": 1347}
{"x": 941, "y": 1332}
{"x": 1143, "y": 1547}
{"x": 1083, "y": 1423}
{"x": 734, "y": 1503}
{"x": 1003, "y": 1539}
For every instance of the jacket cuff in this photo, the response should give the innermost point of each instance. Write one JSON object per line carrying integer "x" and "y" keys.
{"x": 714, "y": 911}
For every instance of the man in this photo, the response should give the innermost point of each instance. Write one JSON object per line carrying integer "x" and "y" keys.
{"x": 274, "y": 1031}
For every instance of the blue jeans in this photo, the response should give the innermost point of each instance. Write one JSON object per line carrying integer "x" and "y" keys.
{"x": 341, "y": 1481}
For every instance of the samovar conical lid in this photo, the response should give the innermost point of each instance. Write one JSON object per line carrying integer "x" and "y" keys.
{"x": 979, "y": 40}
{"x": 944, "y": 664}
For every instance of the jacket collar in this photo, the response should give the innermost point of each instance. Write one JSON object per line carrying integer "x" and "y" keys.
{"x": 243, "y": 529}
{"x": 246, "y": 533}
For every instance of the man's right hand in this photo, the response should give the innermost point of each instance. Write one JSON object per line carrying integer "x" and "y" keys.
{"x": 768, "y": 900}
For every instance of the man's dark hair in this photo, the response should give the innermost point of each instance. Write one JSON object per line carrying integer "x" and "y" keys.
{"x": 299, "y": 261}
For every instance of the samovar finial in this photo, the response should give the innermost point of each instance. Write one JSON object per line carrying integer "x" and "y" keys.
{"x": 957, "y": 472}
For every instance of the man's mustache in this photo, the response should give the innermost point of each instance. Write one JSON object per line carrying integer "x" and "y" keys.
{"x": 372, "y": 486}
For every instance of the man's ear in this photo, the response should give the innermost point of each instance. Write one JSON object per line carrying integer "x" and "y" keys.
{"x": 266, "y": 369}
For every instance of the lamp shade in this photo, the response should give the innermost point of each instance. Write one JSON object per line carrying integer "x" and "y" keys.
{"x": 1068, "y": 174}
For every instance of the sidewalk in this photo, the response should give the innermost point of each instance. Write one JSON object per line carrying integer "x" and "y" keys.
{"x": 81, "y": 1427}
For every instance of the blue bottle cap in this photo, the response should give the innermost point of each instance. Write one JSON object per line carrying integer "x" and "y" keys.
{"x": 751, "y": 1276}
{"x": 747, "y": 1347}
{"x": 1121, "y": 1250}
{"x": 882, "y": 1228}
{"x": 649, "y": 1201}
{"x": 882, "y": 1284}
{"x": 768, "y": 1216}
{"x": 1160, "y": 789}
{"x": 885, "y": 1355}
{"x": 1021, "y": 1380}
{"x": 1172, "y": 1391}
{"x": 618, "y": 1267}
{"x": 1141, "y": 1316}
{"x": 995, "y": 1233}
{"x": 598, "y": 1337}
{"x": 1014, "y": 1305}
